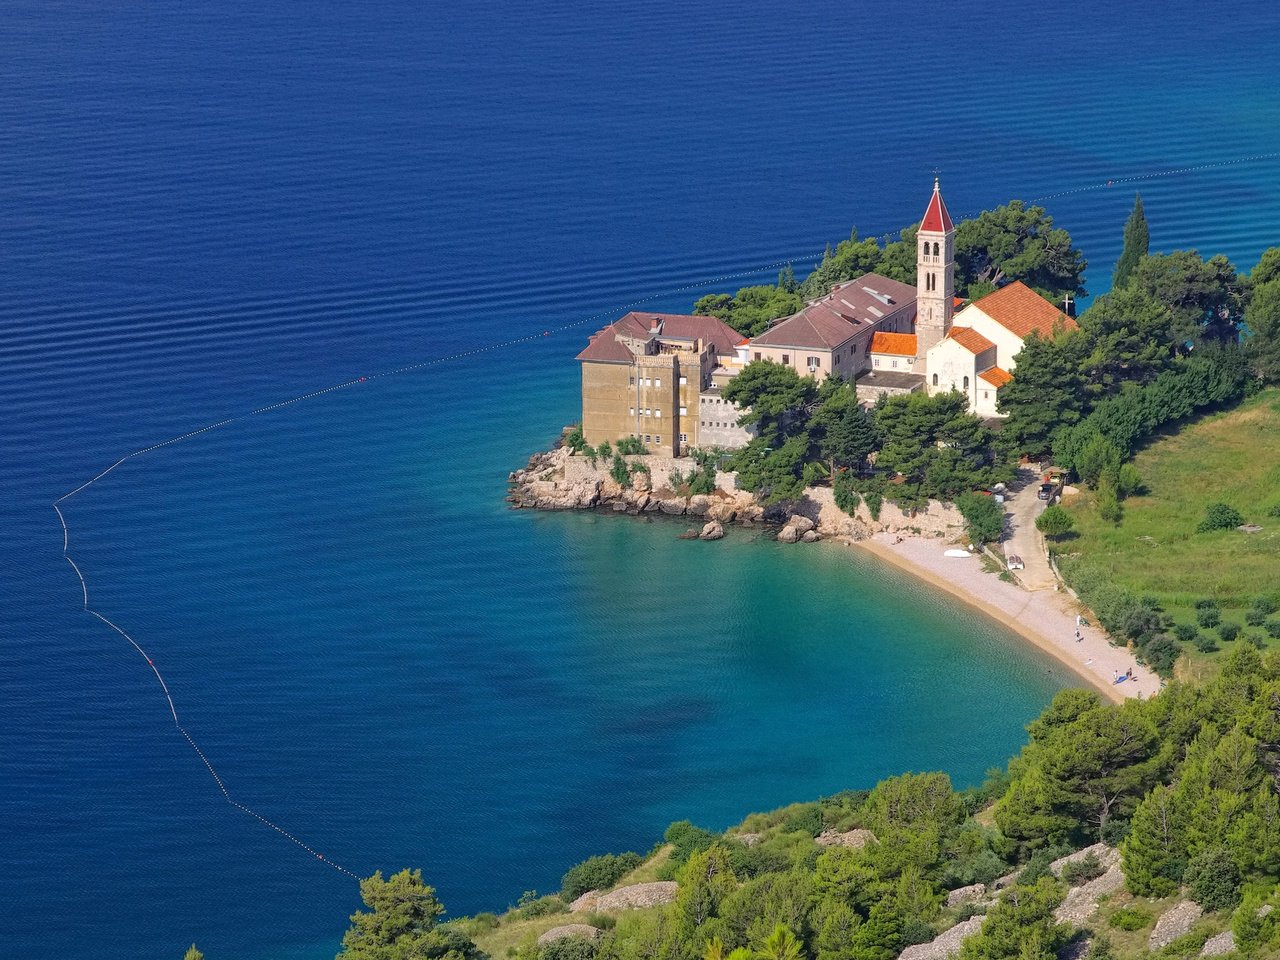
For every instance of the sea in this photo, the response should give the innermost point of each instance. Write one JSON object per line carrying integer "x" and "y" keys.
{"x": 208, "y": 209}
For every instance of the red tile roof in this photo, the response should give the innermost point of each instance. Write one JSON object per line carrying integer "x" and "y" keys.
{"x": 1019, "y": 309}
{"x": 847, "y": 310}
{"x": 604, "y": 346}
{"x": 898, "y": 344}
{"x": 995, "y": 376}
{"x": 970, "y": 339}
{"x": 936, "y": 217}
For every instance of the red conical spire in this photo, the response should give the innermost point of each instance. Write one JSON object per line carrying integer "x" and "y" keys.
{"x": 936, "y": 217}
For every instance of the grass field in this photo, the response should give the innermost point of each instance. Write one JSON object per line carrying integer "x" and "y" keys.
{"x": 1155, "y": 551}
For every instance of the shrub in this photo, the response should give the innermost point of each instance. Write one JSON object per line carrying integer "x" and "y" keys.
{"x": 686, "y": 839}
{"x": 1255, "y": 617}
{"x": 604, "y": 450}
{"x": 619, "y": 471}
{"x": 631, "y": 446}
{"x": 1264, "y": 604}
{"x": 1273, "y": 629}
{"x": 1206, "y": 644}
{"x": 597, "y": 873}
{"x": 531, "y": 905}
{"x": 1129, "y": 918}
{"x": 1206, "y": 603}
{"x": 1229, "y": 631}
{"x": 1185, "y": 632}
{"x": 1128, "y": 481}
{"x": 846, "y": 497}
{"x": 568, "y": 948}
{"x": 1076, "y": 872}
{"x": 1160, "y": 653}
{"x": 1038, "y": 865}
{"x": 874, "y": 500}
{"x": 483, "y": 922}
{"x": 1109, "y": 504}
{"x": 984, "y": 518}
{"x": 1208, "y": 616}
{"x": 1054, "y": 522}
{"x": 1255, "y": 640}
{"x": 574, "y": 439}
{"x": 1220, "y": 516}
{"x": 1214, "y": 879}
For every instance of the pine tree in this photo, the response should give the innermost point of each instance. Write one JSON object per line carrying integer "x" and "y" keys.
{"x": 1137, "y": 238}
{"x": 1155, "y": 851}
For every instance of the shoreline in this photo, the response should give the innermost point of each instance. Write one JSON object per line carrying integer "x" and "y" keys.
{"x": 1043, "y": 618}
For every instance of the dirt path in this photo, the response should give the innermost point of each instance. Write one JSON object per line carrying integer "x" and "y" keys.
{"x": 1024, "y": 540}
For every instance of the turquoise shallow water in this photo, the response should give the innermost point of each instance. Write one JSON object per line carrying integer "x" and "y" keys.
{"x": 211, "y": 209}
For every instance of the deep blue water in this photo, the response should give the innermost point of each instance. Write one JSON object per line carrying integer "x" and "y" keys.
{"x": 209, "y": 208}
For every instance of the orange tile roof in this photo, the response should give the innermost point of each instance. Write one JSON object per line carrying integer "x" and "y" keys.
{"x": 996, "y": 377}
{"x": 898, "y": 344}
{"x": 1019, "y": 309}
{"x": 970, "y": 339}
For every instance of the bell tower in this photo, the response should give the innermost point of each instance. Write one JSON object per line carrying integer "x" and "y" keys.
{"x": 935, "y": 276}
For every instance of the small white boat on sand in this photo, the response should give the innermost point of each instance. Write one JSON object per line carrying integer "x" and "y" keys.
{"x": 957, "y": 553}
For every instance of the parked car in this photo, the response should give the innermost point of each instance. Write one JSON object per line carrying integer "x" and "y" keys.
{"x": 1015, "y": 562}
{"x": 1046, "y": 491}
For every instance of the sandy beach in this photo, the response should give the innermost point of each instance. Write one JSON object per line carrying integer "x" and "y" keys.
{"x": 1045, "y": 617}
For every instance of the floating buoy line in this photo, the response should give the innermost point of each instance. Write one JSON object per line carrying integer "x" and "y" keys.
{"x": 448, "y": 358}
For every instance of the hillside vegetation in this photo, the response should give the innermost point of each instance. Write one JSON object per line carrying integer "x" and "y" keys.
{"x": 1200, "y": 580}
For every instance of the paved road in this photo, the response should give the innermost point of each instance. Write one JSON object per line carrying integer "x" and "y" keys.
{"x": 1024, "y": 539}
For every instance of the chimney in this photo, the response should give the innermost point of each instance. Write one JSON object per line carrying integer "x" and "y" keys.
{"x": 655, "y": 325}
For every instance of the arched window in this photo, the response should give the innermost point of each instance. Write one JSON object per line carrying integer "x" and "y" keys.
{"x": 935, "y": 249}
{"x": 935, "y": 379}
{"x": 966, "y": 383}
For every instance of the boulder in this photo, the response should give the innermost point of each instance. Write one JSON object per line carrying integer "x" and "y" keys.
{"x": 802, "y": 524}
{"x": 1173, "y": 923}
{"x": 1107, "y": 856}
{"x": 809, "y": 536}
{"x": 969, "y": 894}
{"x": 854, "y": 839}
{"x": 583, "y": 930}
{"x": 712, "y": 531}
{"x": 1216, "y": 946}
{"x": 641, "y": 482}
{"x": 699, "y": 505}
{"x": 946, "y": 944}
{"x": 788, "y": 534}
{"x": 674, "y": 506}
{"x": 722, "y": 510}
{"x": 635, "y": 897}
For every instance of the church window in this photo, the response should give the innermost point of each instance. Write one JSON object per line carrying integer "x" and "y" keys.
{"x": 966, "y": 383}
{"x": 935, "y": 379}
{"x": 786, "y": 359}
{"x": 935, "y": 249}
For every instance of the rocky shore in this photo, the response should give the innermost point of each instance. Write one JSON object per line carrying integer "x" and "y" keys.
{"x": 559, "y": 479}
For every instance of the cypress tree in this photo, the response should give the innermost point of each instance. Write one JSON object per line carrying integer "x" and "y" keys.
{"x": 1137, "y": 238}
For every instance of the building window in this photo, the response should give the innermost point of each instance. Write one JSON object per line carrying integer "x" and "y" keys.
{"x": 631, "y": 411}
{"x": 647, "y": 438}
{"x": 786, "y": 359}
{"x": 684, "y": 411}
{"x": 935, "y": 249}
{"x": 684, "y": 438}
{"x": 894, "y": 364}
{"x": 815, "y": 363}
{"x": 935, "y": 379}
{"x": 657, "y": 439}
{"x": 757, "y": 354}
{"x": 911, "y": 361}
{"x": 876, "y": 361}
{"x": 657, "y": 382}
{"x": 966, "y": 383}
{"x": 684, "y": 381}
{"x": 631, "y": 381}
{"x": 648, "y": 412}
{"x": 657, "y": 414}
{"x": 986, "y": 394}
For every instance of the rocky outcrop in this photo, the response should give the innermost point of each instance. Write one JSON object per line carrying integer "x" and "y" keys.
{"x": 712, "y": 530}
{"x": 1217, "y": 945}
{"x": 854, "y": 839}
{"x": 798, "y": 529}
{"x": 1081, "y": 902}
{"x": 1106, "y": 856}
{"x": 946, "y": 944}
{"x": 1173, "y": 923}
{"x": 970, "y": 894}
{"x": 635, "y": 897}
{"x": 569, "y": 930}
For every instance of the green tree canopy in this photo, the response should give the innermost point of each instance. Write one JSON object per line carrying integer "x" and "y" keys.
{"x": 1205, "y": 298}
{"x": 1046, "y": 392}
{"x": 753, "y": 308}
{"x": 1131, "y": 339}
{"x": 770, "y": 393}
{"x": 1262, "y": 326}
{"x": 1054, "y": 522}
{"x": 1017, "y": 242}
{"x": 1137, "y": 239}
{"x": 846, "y": 431}
{"x": 402, "y": 923}
{"x": 983, "y": 517}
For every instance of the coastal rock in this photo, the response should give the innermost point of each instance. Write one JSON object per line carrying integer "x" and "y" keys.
{"x": 853, "y": 839}
{"x": 809, "y": 536}
{"x": 1107, "y": 857}
{"x": 674, "y": 507}
{"x": 947, "y": 944}
{"x": 634, "y": 897}
{"x": 788, "y": 534}
{"x": 969, "y": 894}
{"x": 583, "y": 930}
{"x": 1173, "y": 923}
{"x": 712, "y": 531}
{"x": 722, "y": 510}
{"x": 1082, "y": 901}
{"x": 699, "y": 505}
{"x": 802, "y": 524}
{"x": 1216, "y": 946}
{"x": 641, "y": 482}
